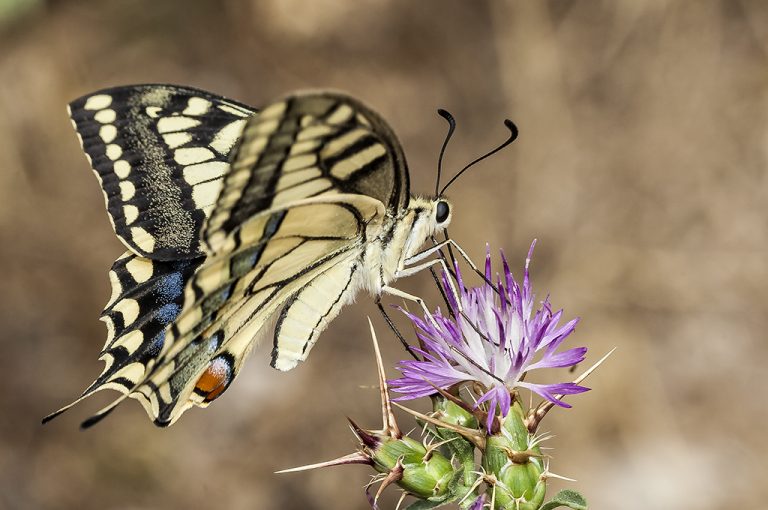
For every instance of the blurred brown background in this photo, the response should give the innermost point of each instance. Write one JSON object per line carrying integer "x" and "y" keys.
{"x": 642, "y": 168}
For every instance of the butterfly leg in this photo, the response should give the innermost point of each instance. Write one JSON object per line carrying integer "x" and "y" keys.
{"x": 408, "y": 271}
{"x": 410, "y": 297}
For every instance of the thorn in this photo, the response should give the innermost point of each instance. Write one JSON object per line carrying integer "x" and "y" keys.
{"x": 365, "y": 437}
{"x": 476, "y": 412}
{"x": 395, "y": 475}
{"x": 520, "y": 457}
{"x": 475, "y": 485}
{"x": 434, "y": 446}
{"x": 536, "y": 415}
{"x": 400, "y": 501}
{"x": 352, "y": 458}
{"x": 389, "y": 424}
{"x": 548, "y": 474}
{"x": 470, "y": 435}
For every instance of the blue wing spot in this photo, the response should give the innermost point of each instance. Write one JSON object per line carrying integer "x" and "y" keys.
{"x": 167, "y": 313}
{"x": 171, "y": 287}
{"x": 157, "y": 345}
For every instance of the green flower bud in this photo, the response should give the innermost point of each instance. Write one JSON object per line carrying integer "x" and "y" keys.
{"x": 421, "y": 472}
{"x": 449, "y": 412}
{"x": 517, "y": 468}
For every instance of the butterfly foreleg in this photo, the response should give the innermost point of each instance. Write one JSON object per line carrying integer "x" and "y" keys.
{"x": 410, "y": 297}
{"x": 413, "y": 269}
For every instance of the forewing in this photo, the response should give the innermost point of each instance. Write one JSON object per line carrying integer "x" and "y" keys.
{"x": 160, "y": 153}
{"x": 305, "y": 146}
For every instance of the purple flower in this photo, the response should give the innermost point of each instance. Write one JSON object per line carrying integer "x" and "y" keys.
{"x": 495, "y": 341}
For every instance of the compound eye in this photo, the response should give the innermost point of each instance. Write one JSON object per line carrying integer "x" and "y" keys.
{"x": 443, "y": 211}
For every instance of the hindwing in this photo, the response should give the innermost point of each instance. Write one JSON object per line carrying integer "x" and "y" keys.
{"x": 159, "y": 152}
{"x": 147, "y": 296}
{"x": 271, "y": 262}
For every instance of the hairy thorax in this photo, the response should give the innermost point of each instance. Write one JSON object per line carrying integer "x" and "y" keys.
{"x": 399, "y": 238}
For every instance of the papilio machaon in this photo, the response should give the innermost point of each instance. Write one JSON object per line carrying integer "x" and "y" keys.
{"x": 233, "y": 217}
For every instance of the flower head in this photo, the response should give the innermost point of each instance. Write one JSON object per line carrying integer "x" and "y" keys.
{"x": 492, "y": 336}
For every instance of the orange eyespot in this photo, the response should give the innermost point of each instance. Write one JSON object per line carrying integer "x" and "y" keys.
{"x": 215, "y": 379}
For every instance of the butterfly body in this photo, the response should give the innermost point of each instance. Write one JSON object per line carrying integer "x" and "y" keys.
{"x": 235, "y": 220}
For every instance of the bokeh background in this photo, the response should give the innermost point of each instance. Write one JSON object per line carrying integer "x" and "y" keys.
{"x": 642, "y": 168}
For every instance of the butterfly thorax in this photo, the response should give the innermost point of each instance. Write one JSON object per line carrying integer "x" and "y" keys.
{"x": 401, "y": 236}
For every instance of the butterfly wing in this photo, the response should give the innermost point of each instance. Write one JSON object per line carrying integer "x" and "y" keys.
{"x": 311, "y": 180}
{"x": 160, "y": 153}
{"x": 304, "y": 146}
{"x": 272, "y": 259}
{"x": 147, "y": 296}
{"x": 327, "y": 146}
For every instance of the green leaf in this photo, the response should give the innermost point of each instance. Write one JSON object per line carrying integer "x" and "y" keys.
{"x": 566, "y": 498}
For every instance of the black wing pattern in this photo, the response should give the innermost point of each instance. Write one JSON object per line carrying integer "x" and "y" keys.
{"x": 159, "y": 152}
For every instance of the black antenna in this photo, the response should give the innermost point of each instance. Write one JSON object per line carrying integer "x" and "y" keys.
{"x": 512, "y": 137}
{"x": 451, "y": 127}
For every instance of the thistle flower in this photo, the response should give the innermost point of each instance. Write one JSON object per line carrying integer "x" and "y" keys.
{"x": 492, "y": 337}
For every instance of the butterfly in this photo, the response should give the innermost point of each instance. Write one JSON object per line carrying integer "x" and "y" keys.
{"x": 235, "y": 219}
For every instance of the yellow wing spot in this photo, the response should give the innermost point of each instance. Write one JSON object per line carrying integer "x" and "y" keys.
{"x": 231, "y": 109}
{"x": 192, "y": 155}
{"x": 117, "y": 288}
{"x": 195, "y": 174}
{"x": 174, "y": 140}
{"x": 340, "y": 115}
{"x": 187, "y": 321}
{"x": 127, "y": 190}
{"x": 263, "y": 128}
{"x": 273, "y": 111}
{"x": 314, "y": 132}
{"x": 206, "y": 193}
{"x": 307, "y": 189}
{"x": 346, "y": 167}
{"x": 227, "y": 136}
{"x": 110, "y": 330}
{"x": 142, "y": 239}
{"x": 98, "y": 102}
{"x": 297, "y": 177}
{"x": 130, "y": 310}
{"x": 108, "y": 133}
{"x": 197, "y": 106}
{"x": 362, "y": 120}
{"x": 131, "y": 212}
{"x": 105, "y": 116}
{"x": 305, "y": 146}
{"x": 133, "y": 372}
{"x": 337, "y": 145}
{"x": 299, "y": 162}
{"x": 122, "y": 168}
{"x": 171, "y": 124}
{"x": 114, "y": 151}
{"x": 132, "y": 340}
{"x": 141, "y": 269}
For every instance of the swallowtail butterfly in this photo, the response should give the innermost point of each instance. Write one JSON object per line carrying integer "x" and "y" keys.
{"x": 233, "y": 218}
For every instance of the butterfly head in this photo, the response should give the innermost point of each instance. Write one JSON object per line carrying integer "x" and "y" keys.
{"x": 429, "y": 216}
